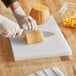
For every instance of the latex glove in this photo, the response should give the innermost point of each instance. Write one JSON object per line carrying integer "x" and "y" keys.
{"x": 55, "y": 71}
{"x": 24, "y": 20}
{"x": 8, "y": 28}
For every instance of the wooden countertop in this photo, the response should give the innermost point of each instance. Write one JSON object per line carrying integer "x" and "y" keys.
{"x": 67, "y": 64}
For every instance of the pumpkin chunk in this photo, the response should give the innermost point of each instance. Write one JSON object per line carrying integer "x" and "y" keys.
{"x": 40, "y": 13}
{"x": 35, "y": 36}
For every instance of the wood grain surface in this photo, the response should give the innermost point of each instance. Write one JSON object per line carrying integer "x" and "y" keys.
{"x": 67, "y": 64}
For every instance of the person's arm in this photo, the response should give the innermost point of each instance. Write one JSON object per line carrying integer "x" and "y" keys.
{"x": 7, "y": 3}
{"x": 14, "y": 5}
{"x": 20, "y": 15}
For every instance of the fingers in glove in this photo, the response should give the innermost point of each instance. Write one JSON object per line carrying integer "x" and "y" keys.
{"x": 33, "y": 23}
{"x": 18, "y": 34}
{"x": 14, "y": 35}
{"x": 11, "y": 34}
{"x": 27, "y": 23}
{"x": 29, "y": 26}
{"x": 25, "y": 27}
{"x": 30, "y": 20}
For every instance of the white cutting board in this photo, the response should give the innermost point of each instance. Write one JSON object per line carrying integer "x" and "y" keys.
{"x": 54, "y": 44}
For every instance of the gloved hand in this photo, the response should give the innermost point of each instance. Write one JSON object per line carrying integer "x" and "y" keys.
{"x": 24, "y": 20}
{"x": 55, "y": 71}
{"x": 8, "y": 28}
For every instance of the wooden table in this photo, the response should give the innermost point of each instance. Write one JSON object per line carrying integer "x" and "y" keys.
{"x": 67, "y": 64}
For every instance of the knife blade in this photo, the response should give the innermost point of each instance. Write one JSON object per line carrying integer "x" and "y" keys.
{"x": 46, "y": 33}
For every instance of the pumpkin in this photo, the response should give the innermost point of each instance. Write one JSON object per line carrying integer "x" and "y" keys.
{"x": 35, "y": 36}
{"x": 40, "y": 13}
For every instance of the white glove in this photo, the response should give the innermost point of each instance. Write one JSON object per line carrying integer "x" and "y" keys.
{"x": 24, "y": 20}
{"x": 55, "y": 71}
{"x": 8, "y": 28}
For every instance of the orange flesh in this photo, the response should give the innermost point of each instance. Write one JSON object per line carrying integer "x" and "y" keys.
{"x": 71, "y": 22}
{"x": 33, "y": 37}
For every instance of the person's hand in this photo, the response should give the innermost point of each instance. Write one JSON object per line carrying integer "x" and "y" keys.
{"x": 24, "y": 20}
{"x": 8, "y": 28}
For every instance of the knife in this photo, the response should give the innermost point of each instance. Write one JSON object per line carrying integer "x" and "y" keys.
{"x": 22, "y": 32}
{"x": 46, "y": 33}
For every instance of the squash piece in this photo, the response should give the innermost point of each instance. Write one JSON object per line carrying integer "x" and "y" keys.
{"x": 40, "y": 13}
{"x": 70, "y": 22}
{"x": 35, "y": 36}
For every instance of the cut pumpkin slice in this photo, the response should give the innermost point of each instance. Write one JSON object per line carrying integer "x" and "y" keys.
{"x": 33, "y": 37}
